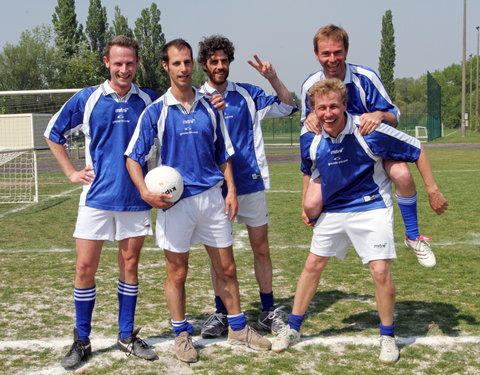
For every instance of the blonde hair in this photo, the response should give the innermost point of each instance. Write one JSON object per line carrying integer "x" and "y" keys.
{"x": 330, "y": 32}
{"x": 325, "y": 87}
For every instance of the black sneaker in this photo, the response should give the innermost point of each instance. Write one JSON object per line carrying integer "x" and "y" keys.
{"x": 136, "y": 346}
{"x": 79, "y": 352}
{"x": 273, "y": 320}
{"x": 215, "y": 326}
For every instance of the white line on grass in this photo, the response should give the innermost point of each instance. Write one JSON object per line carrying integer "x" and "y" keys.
{"x": 49, "y": 197}
{"x": 237, "y": 247}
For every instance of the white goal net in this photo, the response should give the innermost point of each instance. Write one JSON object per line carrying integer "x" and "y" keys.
{"x": 24, "y": 116}
{"x": 18, "y": 176}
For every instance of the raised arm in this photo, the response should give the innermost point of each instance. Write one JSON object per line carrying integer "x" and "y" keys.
{"x": 266, "y": 69}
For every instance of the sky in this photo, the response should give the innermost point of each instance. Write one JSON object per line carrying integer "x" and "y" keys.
{"x": 428, "y": 33}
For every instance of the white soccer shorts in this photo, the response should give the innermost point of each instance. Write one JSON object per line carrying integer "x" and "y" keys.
{"x": 197, "y": 219}
{"x": 103, "y": 225}
{"x": 370, "y": 233}
{"x": 252, "y": 209}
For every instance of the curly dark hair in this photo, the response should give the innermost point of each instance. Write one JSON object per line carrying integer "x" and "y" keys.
{"x": 209, "y": 45}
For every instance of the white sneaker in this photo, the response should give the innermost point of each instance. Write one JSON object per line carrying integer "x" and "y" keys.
{"x": 286, "y": 337}
{"x": 389, "y": 352}
{"x": 422, "y": 250}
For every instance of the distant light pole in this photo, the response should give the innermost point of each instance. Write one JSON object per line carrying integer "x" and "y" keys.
{"x": 464, "y": 55}
{"x": 476, "y": 84}
{"x": 470, "y": 93}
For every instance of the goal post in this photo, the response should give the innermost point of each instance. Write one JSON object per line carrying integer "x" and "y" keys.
{"x": 24, "y": 116}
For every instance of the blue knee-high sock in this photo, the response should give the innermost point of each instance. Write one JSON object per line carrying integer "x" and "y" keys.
{"x": 295, "y": 321}
{"x": 408, "y": 209}
{"x": 387, "y": 330}
{"x": 267, "y": 301}
{"x": 220, "y": 307}
{"x": 127, "y": 302}
{"x": 181, "y": 326}
{"x": 237, "y": 322}
{"x": 84, "y": 304}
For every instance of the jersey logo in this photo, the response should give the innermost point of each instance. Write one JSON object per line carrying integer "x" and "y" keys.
{"x": 369, "y": 198}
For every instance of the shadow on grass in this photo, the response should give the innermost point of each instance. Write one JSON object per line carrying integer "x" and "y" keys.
{"x": 412, "y": 318}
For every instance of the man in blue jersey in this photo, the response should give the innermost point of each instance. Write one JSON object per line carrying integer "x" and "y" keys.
{"x": 246, "y": 106}
{"x": 357, "y": 206}
{"x": 192, "y": 138}
{"x": 368, "y": 99}
{"x": 109, "y": 203}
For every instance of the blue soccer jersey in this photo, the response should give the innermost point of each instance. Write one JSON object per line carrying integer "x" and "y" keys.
{"x": 108, "y": 122}
{"x": 246, "y": 106}
{"x": 351, "y": 165}
{"x": 194, "y": 142}
{"x": 365, "y": 92}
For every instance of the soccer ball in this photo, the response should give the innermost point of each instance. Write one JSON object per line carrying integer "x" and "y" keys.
{"x": 165, "y": 180}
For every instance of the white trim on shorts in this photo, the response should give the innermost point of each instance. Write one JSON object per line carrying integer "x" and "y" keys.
{"x": 370, "y": 233}
{"x": 252, "y": 209}
{"x": 196, "y": 219}
{"x": 102, "y": 225}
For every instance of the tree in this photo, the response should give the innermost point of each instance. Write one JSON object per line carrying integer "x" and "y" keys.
{"x": 97, "y": 26}
{"x": 67, "y": 32}
{"x": 32, "y": 64}
{"x": 386, "y": 62}
{"x": 151, "y": 40}
{"x": 199, "y": 77}
{"x": 120, "y": 25}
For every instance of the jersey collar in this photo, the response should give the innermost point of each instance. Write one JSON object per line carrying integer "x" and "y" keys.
{"x": 209, "y": 90}
{"x": 107, "y": 90}
{"x": 348, "y": 129}
{"x": 170, "y": 100}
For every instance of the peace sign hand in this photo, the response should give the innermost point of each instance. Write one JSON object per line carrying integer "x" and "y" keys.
{"x": 265, "y": 68}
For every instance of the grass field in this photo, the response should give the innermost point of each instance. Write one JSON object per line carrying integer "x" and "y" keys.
{"x": 437, "y": 311}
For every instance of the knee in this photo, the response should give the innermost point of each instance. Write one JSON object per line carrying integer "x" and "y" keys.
{"x": 131, "y": 264}
{"x": 315, "y": 264}
{"x": 381, "y": 274}
{"x": 85, "y": 271}
{"x": 177, "y": 275}
{"x": 226, "y": 272}
{"x": 400, "y": 174}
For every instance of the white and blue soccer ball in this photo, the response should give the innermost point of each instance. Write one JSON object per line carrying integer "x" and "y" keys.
{"x": 165, "y": 180}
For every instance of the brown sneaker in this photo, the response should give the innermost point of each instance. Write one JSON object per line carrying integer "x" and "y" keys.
{"x": 184, "y": 348}
{"x": 249, "y": 337}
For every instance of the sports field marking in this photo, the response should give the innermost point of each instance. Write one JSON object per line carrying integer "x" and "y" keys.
{"x": 49, "y": 197}
{"x": 164, "y": 346}
{"x": 239, "y": 246}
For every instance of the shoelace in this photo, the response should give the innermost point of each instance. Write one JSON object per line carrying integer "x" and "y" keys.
{"x": 277, "y": 314}
{"x": 186, "y": 342}
{"x": 131, "y": 344}
{"x": 80, "y": 345}
{"x": 214, "y": 317}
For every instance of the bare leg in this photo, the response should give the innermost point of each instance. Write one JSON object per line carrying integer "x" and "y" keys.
{"x": 384, "y": 290}
{"x": 177, "y": 270}
{"x": 223, "y": 264}
{"x": 128, "y": 258}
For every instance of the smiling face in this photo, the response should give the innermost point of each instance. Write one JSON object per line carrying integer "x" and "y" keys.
{"x": 332, "y": 54}
{"x": 179, "y": 67}
{"x": 122, "y": 63}
{"x": 217, "y": 68}
{"x": 330, "y": 110}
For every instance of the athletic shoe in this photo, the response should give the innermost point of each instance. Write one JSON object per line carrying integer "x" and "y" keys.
{"x": 136, "y": 346}
{"x": 184, "y": 349}
{"x": 249, "y": 337}
{"x": 274, "y": 320}
{"x": 285, "y": 338}
{"x": 215, "y": 326}
{"x": 422, "y": 249}
{"x": 79, "y": 352}
{"x": 389, "y": 352}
